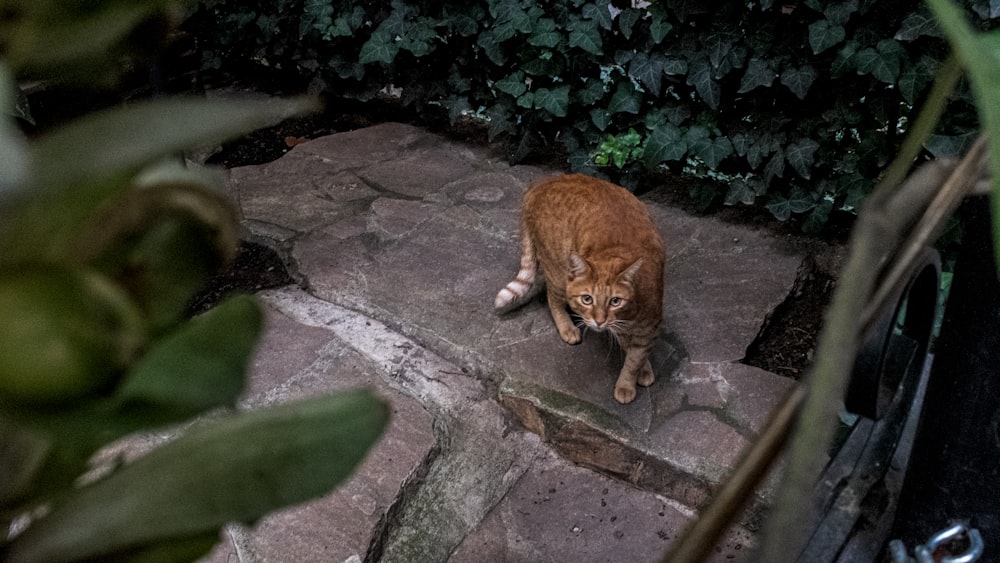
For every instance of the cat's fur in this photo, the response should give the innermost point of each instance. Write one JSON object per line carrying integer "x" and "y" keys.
{"x": 601, "y": 255}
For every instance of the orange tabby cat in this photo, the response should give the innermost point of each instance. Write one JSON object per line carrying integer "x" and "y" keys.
{"x": 600, "y": 254}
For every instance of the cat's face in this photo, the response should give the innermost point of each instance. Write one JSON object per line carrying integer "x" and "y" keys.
{"x": 603, "y": 298}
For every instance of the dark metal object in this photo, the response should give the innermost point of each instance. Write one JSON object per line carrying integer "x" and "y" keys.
{"x": 884, "y": 388}
{"x": 902, "y": 331}
{"x": 955, "y": 466}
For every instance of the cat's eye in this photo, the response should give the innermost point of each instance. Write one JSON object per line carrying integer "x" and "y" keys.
{"x": 615, "y": 301}
{"x": 586, "y": 299}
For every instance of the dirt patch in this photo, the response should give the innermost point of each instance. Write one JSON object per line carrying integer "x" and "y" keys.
{"x": 255, "y": 268}
{"x": 788, "y": 336}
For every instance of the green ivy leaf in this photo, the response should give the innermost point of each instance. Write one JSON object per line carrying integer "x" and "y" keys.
{"x": 816, "y": 220}
{"x": 801, "y": 201}
{"x": 586, "y": 36}
{"x": 801, "y": 155}
{"x": 543, "y": 65}
{"x": 840, "y": 12}
{"x": 775, "y": 167}
{"x": 780, "y": 208}
{"x": 463, "y": 24}
{"x": 700, "y": 76}
{"x": 696, "y": 133}
{"x": 674, "y": 66}
{"x": 659, "y": 28}
{"x": 741, "y": 143}
{"x": 488, "y": 42}
{"x": 665, "y": 142}
{"x": 740, "y": 192}
{"x": 647, "y": 70}
{"x": 511, "y": 16}
{"x": 718, "y": 45}
{"x": 756, "y": 152}
{"x": 882, "y": 62}
{"x": 500, "y": 122}
{"x": 545, "y": 34}
{"x": 554, "y": 101}
{"x": 712, "y": 151}
{"x": 512, "y": 84}
{"x": 627, "y": 20}
{"x": 799, "y": 80}
{"x": 758, "y": 73}
{"x": 846, "y": 60}
{"x": 456, "y": 106}
{"x": 599, "y": 13}
{"x": 912, "y": 81}
{"x": 526, "y": 100}
{"x": 917, "y": 24}
{"x": 601, "y": 118}
{"x": 950, "y": 146}
{"x": 591, "y": 93}
{"x": 380, "y": 48}
{"x": 856, "y": 187}
{"x": 625, "y": 99}
{"x": 823, "y": 35}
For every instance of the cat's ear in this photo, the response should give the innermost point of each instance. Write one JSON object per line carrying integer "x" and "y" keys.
{"x": 577, "y": 266}
{"x": 629, "y": 274}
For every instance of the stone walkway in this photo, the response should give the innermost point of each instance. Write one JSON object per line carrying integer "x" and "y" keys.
{"x": 506, "y": 444}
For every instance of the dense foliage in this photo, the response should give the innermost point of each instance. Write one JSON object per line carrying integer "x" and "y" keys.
{"x": 796, "y": 105}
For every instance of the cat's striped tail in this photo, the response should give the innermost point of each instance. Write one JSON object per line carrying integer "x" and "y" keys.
{"x": 523, "y": 285}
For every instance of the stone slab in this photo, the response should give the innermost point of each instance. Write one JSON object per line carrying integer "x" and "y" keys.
{"x": 560, "y": 512}
{"x": 295, "y": 361}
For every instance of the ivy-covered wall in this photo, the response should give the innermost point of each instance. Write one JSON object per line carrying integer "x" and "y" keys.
{"x": 796, "y": 106}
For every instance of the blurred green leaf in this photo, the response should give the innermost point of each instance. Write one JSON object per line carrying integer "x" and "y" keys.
{"x": 50, "y": 39}
{"x": 162, "y": 241}
{"x": 980, "y": 56}
{"x": 105, "y": 143}
{"x": 79, "y": 167}
{"x": 199, "y": 366}
{"x": 235, "y": 469}
{"x": 24, "y": 453}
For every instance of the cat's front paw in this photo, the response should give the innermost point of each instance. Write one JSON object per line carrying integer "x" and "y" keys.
{"x": 624, "y": 392}
{"x": 646, "y": 375}
{"x": 570, "y": 335}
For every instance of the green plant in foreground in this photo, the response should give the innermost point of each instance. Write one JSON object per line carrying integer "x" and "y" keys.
{"x": 102, "y": 244}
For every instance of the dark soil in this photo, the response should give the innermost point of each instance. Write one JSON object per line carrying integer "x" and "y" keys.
{"x": 256, "y": 267}
{"x": 786, "y": 342}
